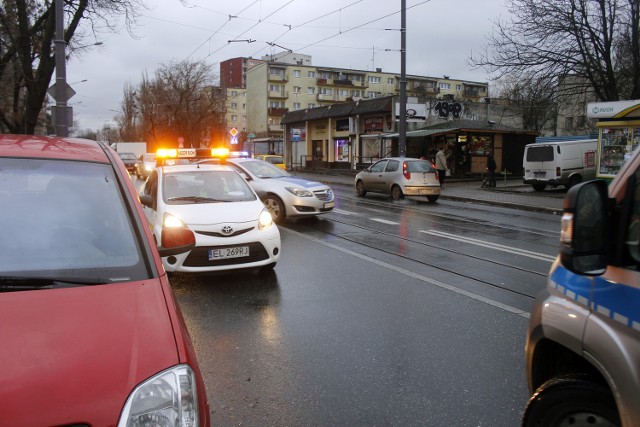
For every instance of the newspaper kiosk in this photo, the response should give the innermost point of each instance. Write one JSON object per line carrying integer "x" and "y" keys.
{"x": 618, "y": 134}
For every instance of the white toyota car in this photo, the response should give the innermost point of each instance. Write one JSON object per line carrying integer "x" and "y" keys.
{"x": 233, "y": 228}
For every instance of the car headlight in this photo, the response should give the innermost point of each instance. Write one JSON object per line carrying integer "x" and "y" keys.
{"x": 265, "y": 220}
{"x": 148, "y": 167}
{"x": 299, "y": 192}
{"x": 171, "y": 221}
{"x": 169, "y": 398}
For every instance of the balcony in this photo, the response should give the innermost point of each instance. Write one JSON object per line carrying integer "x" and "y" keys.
{"x": 275, "y": 128}
{"x": 343, "y": 82}
{"x": 280, "y": 78}
{"x": 321, "y": 82}
{"x": 279, "y": 95}
{"x": 277, "y": 111}
{"x": 323, "y": 97}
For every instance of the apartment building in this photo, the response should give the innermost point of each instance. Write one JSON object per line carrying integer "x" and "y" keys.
{"x": 236, "y": 108}
{"x": 275, "y": 88}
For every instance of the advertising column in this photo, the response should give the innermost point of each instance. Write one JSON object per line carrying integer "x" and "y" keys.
{"x": 618, "y": 133}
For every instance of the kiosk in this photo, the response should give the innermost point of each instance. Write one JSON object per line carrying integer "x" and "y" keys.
{"x": 618, "y": 134}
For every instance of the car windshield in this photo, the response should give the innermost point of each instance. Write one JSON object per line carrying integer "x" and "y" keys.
{"x": 127, "y": 156}
{"x": 149, "y": 158}
{"x": 206, "y": 186}
{"x": 263, "y": 169}
{"x": 65, "y": 219}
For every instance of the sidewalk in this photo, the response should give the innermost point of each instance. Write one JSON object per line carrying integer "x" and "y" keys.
{"x": 510, "y": 193}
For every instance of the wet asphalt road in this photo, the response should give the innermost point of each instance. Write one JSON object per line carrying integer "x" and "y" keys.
{"x": 380, "y": 313}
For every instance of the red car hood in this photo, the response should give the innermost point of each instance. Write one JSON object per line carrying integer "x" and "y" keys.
{"x": 74, "y": 355}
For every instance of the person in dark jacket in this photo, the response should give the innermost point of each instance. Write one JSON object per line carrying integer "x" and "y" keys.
{"x": 491, "y": 167}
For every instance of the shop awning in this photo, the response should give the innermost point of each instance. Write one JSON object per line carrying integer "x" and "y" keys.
{"x": 415, "y": 133}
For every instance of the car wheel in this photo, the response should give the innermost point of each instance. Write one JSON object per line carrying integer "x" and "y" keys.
{"x": 360, "y": 189}
{"x": 396, "y": 192}
{"x": 275, "y": 207}
{"x": 432, "y": 198}
{"x": 571, "y": 400}
{"x": 539, "y": 187}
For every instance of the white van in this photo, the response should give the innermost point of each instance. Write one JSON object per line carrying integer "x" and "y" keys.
{"x": 559, "y": 163}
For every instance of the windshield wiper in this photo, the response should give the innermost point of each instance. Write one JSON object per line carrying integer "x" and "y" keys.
{"x": 18, "y": 283}
{"x": 195, "y": 199}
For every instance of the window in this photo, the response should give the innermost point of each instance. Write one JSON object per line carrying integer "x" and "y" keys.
{"x": 296, "y": 105}
{"x": 344, "y": 92}
{"x": 234, "y": 105}
{"x": 392, "y": 166}
{"x": 325, "y": 91}
{"x": 296, "y": 73}
{"x": 379, "y": 167}
{"x": 371, "y": 94}
{"x": 355, "y": 93}
{"x": 274, "y": 88}
{"x": 311, "y": 105}
{"x": 234, "y": 118}
{"x": 311, "y": 90}
{"x": 391, "y": 80}
{"x": 324, "y": 75}
{"x": 373, "y": 79}
{"x": 445, "y": 86}
{"x": 297, "y": 89}
{"x": 244, "y": 106}
{"x": 276, "y": 104}
{"x": 311, "y": 74}
{"x": 234, "y": 93}
{"x": 458, "y": 88}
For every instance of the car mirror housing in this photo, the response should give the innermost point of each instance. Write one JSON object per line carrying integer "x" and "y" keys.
{"x": 176, "y": 240}
{"x": 584, "y": 235}
{"x": 146, "y": 200}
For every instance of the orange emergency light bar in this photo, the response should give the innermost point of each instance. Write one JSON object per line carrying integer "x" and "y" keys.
{"x": 166, "y": 154}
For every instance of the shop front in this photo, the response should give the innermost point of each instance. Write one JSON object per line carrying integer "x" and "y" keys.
{"x": 618, "y": 134}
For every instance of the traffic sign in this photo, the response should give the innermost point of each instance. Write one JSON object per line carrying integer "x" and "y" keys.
{"x": 233, "y": 132}
{"x": 68, "y": 92}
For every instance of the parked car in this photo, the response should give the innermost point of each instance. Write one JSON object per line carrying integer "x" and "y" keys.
{"x": 399, "y": 177}
{"x": 233, "y": 228}
{"x": 145, "y": 164}
{"x": 285, "y": 195}
{"x": 129, "y": 160}
{"x": 92, "y": 333}
{"x": 583, "y": 341}
{"x": 274, "y": 159}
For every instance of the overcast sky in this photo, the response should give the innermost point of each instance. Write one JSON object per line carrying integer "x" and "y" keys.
{"x": 356, "y": 34}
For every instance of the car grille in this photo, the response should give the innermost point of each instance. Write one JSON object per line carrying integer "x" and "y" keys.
{"x": 324, "y": 195}
{"x": 199, "y": 256}
{"x": 218, "y": 234}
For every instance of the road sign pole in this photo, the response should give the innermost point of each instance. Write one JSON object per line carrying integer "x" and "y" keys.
{"x": 62, "y": 125}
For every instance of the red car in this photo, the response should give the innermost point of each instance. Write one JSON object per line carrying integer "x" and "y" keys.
{"x": 91, "y": 333}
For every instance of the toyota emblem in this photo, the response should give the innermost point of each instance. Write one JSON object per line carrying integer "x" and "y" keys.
{"x": 227, "y": 230}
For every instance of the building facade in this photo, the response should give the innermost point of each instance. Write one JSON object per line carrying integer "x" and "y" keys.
{"x": 275, "y": 88}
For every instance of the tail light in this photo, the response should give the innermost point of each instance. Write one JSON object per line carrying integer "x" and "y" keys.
{"x": 405, "y": 170}
{"x": 558, "y": 171}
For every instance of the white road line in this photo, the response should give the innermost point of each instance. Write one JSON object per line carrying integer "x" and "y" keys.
{"x": 417, "y": 276}
{"x": 341, "y": 212}
{"x": 496, "y": 246}
{"x": 384, "y": 221}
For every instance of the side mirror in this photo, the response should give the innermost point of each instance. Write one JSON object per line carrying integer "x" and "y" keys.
{"x": 146, "y": 200}
{"x": 584, "y": 244}
{"x": 176, "y": 240}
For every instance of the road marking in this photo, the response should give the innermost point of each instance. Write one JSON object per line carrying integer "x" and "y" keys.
{"x": 384, "y": 221}
{"x": 496, "y": 246}
{"x": 417, "y": 276}
{"x": 340, "y": 211}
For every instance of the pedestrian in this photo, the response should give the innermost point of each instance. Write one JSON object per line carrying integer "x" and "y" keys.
{"x": 491, "y": 167}
{"x": 441, "y": 165}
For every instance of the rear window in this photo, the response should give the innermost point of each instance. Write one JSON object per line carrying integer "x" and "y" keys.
{"x": 420, "y": 166}
{"x": 66, "y": 220}
{"x": 275, "y": 160}
{"x": 127, "y": 156}
{"x": 540, "y": 154}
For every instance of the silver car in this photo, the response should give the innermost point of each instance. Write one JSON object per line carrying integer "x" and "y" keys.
{"x": 285, "y": 195}
{"x": 399, "y": 177}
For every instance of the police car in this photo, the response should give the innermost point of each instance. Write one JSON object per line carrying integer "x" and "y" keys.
{"x": 233, "y": 228}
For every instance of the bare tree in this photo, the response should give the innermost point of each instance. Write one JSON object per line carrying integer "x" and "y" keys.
{"x": 535, "y": 96}
{"x": 593, "y": 41}
{"x": 27, "y": 61}
{"x": 178, "y": 103}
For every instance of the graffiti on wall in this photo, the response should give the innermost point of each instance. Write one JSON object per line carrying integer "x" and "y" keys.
{"x": 447, "y": 109}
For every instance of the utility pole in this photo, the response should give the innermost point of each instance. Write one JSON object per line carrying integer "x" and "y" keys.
{"x": 62, "y": 125}
{"x": 402, "y": 125}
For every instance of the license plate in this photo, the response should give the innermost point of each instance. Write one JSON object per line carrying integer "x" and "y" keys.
{"x": 539, "y": 174}
{"x": 329, "y": 205}
{"x": 426, "y": 191}
{"x": 226, "y": 253}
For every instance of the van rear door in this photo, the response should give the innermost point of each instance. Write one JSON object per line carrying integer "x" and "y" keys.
{"x": 539, "y": 162}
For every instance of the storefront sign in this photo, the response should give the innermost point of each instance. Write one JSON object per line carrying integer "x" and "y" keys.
{"x": 414, "y": 112}
{"x": 373, "y": 124}
{"x": 342, "y": 125}
{"x": 609, "y": 110}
